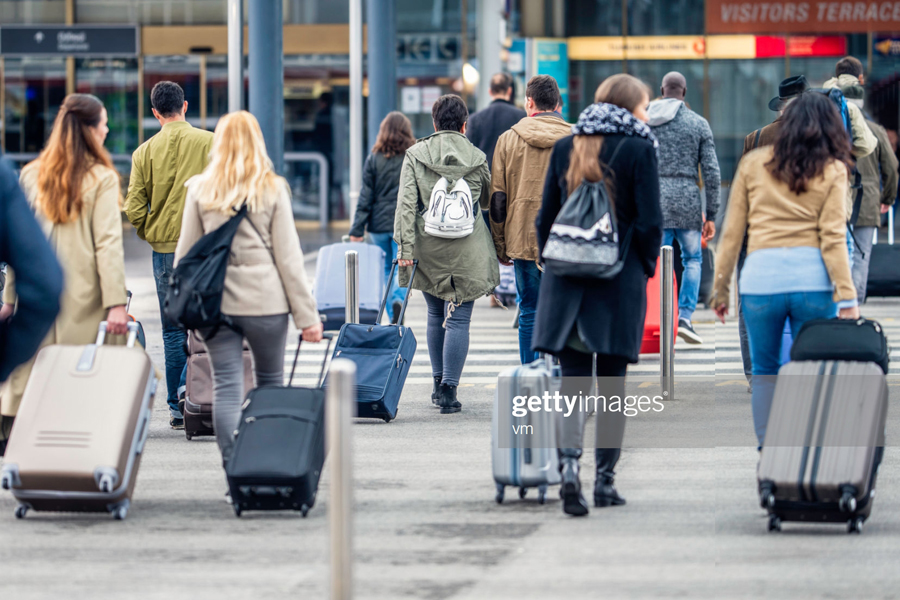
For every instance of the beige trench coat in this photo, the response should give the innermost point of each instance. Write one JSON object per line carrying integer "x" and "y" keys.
{"x": 93, "y": 262}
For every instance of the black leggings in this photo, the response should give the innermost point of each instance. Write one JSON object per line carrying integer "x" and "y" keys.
{"x": 576, "y": 369}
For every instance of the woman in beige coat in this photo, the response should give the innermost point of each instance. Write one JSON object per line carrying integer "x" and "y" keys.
{"x": 265, "y": 279}
{"x": 75, "y": 193}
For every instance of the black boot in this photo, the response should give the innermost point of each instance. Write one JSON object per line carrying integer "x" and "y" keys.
{"x": 448, "y": 402}
{"x": 570, "y": 489}
{"x": 605, "y": 493}
{"x": 436, "y": 392}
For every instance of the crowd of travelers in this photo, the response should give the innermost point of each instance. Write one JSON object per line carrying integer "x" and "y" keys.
{"x": 807, "y": 195}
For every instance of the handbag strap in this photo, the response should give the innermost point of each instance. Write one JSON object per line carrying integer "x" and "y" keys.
{"x": 261, "y": 238}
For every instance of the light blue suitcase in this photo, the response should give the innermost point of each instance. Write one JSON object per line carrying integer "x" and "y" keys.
{"x": 330, "y": 276}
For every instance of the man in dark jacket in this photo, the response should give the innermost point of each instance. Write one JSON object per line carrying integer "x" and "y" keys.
{"x": 686, "y": 148}
{"x": 38, "y": 282}
{"x": 487, "y": 125}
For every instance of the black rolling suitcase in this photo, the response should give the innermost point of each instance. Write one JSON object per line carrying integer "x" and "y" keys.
{"x": 279, "y": 448}
{"x": 884, "y": 266}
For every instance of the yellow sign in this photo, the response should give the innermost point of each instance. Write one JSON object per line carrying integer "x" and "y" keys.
{"x": 674, "y": 47}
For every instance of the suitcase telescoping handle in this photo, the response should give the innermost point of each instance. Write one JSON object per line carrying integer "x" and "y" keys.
{"x": 325, "y": 336}
{"x": 128, "y": 302}
{"x": 387, "y": 290}
{"x": 132, "y": 333}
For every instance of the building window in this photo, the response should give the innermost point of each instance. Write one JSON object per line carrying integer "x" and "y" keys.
{"x": 27, "y": 12}
{"x": 672, "y": 17}
{"x": 593, "y": 17}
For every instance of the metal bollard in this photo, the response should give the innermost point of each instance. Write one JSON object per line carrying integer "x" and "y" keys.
{"x": 340, "y": 405}
{"x": 667, "y": 323}
{"x": 351, "y": 286}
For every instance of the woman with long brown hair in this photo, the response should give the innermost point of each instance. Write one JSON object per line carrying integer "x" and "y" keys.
{"x": 790, "y": 199}
{"x": 76, "y": 196}
{"x": 378, "y": 196}
{"x": 578, "y": 316}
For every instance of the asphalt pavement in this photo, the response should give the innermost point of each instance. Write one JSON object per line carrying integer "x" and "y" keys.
{"x": 426, "y": 523}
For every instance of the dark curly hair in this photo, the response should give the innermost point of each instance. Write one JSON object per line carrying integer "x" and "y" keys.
{"x": 812, "y": 134}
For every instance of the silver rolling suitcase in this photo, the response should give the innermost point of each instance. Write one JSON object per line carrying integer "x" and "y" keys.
{"x": 824, "y": 442}
{"x": 524, "y": 449}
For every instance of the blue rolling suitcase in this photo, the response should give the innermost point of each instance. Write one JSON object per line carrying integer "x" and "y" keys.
{"x": 383, "y": 355}
{"x": 329, "y": 286}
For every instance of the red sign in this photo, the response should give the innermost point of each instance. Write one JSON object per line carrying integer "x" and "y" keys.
{"x": 801, "y": 46}
{"x": 767, "y": 16}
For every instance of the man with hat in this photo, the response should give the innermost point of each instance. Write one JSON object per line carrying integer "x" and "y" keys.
{"x": 788, "y": 89}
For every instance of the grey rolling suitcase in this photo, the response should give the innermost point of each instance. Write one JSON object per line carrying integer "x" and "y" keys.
{"x": 525, "y": 460}
{"x": 824, "y": 442}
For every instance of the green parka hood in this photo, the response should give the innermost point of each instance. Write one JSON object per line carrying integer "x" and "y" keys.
{"x": 449, "y": 154}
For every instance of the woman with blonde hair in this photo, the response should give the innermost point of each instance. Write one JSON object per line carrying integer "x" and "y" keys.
{"x": 578, "y": 316}
{"x": 76, "y": 196}
{"x": 265, "y": 279}
{"x": 378, "y": 197}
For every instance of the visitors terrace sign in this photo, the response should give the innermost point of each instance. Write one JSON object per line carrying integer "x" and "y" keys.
{"x": 768, "y": 16}
{"x": 75, "y": 40}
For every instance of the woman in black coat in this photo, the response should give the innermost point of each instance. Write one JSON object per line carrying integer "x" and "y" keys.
{"x": 378, "y": 197}
{"x": 577, "y": 317}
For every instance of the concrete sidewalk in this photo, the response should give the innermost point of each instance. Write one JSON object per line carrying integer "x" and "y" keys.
{"x": 427, "y": 525}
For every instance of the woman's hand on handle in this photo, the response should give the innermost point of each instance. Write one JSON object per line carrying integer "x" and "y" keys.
{"x": 117, "y": 321}
{"x": 405, "y": 262}
{"x": 313, "y": 333}
{"x": 6, "y": 312}
{"x": 354, "y": 238}
{"x": 722, "y": 312}
{"x": 849, "y": 313}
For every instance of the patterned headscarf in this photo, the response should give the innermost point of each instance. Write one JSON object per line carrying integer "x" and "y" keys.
{"x": 609, "y": 119}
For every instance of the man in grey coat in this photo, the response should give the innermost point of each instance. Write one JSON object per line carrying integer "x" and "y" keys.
{"x": 686, "y": 150}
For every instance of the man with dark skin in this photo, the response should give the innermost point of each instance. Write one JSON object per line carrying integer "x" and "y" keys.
{"x": 686, "y": 149}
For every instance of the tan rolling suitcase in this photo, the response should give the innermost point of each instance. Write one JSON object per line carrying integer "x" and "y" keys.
{"x": 824, "y": 442}
{"x": 78, "y": 438}
{"x": 198, "y": 393}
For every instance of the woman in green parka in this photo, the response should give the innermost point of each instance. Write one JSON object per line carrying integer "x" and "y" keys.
{"x": 451, "y": 273}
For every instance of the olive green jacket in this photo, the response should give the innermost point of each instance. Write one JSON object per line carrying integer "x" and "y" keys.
{"x": 455, "y": 270}
{"x": 159, "y": 169}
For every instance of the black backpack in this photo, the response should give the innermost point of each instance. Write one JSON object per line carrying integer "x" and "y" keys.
{"x": 194, "y": 297}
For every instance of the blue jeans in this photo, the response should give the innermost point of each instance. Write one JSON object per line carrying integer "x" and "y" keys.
{"x": 528, "y": 287}
{"x": 386, "y": 242}
{"x": 692, "y": 259}
{"x": 765, "y": 316}
{"x": 173, "y": 336}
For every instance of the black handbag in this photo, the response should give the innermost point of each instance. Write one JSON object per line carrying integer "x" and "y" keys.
{"x": 861, "y": 340}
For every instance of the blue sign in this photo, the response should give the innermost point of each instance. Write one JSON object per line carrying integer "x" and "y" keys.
{"x": 551, "y": 57}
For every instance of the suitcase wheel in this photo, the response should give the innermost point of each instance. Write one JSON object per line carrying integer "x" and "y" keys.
{"x": 774, "y": 523}
{"x": 542, "y": 494}
{"x": 21, "y": 511}
{"x": 855, "y": 525}
{"x": 188, "y": 436}
{"x": 237, "y": 510}
{"x": 500, "y": 489}
{"x": 386, "y": 419}
{"x": 847, "y": 503}
{"x": 522, "y": 493}
{"x": 120, "y": 512}
{"x": 304, "y": 510}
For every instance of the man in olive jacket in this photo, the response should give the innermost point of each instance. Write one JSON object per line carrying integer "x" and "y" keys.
{"x": 517, "y": 185}
{"x": 159, "y": 169}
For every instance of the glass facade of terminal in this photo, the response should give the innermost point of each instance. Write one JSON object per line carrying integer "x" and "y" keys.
{"x": 731, "y": 92}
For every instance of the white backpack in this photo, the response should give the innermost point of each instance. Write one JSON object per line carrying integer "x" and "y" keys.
{"x": 450, "y": 214}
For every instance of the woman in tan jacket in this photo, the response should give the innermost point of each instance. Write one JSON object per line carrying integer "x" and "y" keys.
{"x": 790, "y": 199}
{"x": 265, "y": 279}
{"x": 75, "y": 193}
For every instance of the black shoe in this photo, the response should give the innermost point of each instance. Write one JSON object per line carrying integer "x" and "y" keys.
{"x": 2, "y": 447}
{"x": 176, "y": 423}
{"x": 396, "y": 307}
{"x": 448, "y": 402}
{"x": 570, "y": 489}
{"x": 436, "y": 392}
{"x": 605, "y": 493}
{"x": 687, "y": 333}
